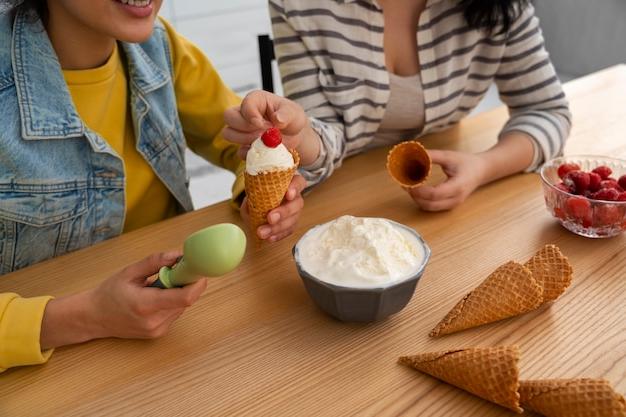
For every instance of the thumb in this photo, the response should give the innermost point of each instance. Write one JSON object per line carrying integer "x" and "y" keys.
{"x": 139, "y": 271}
{"x": 443, "y": 158}
{"x": 288, "y": 117}
{"x": 173, "y": 298}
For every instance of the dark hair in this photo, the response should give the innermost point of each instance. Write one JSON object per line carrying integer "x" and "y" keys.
{"x": 494, "y": 16}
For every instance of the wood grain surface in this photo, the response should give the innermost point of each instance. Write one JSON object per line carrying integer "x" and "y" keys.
{"x": 255, "y": 344}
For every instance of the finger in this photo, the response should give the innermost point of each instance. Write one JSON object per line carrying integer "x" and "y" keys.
{"x": 240, "y": 137}
{"x": 242, "y": 152}
{"x": 439, "y": 205}
{"x": 158, "y": 299}
{"x": 255, "y": 107}
{"x": 165, "y": 325}
{"x": 297, "y": 185}
{"x": 280, "y": 236}
{"x": 288, "y": 117}
{"x": 285, "y": 210}
{"x": 287, "y": 224}
{"x": 234, "y": 119}
{"x": 156, "y": 324}
{"x": 139, "y": 271}
{"x": 443, "y": 191}
{"x": 443, "y": 158}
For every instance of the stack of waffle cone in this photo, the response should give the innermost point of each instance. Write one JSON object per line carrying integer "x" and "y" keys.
{"x": 510, "y": 290}
{"x": 551, "y": 270}
{"x": 409, "y": 164}
{"x": 490, "y": 373}
{"x": 266, "y": 190}
{"x": 572, "y": 398}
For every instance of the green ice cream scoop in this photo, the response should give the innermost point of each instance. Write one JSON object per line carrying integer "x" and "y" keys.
{"x": 209, "y": 252}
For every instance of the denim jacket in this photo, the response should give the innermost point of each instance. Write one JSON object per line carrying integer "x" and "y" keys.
{"x": 62, "y": 185}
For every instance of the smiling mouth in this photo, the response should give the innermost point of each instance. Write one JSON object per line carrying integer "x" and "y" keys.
{"x": 136, "y": 3}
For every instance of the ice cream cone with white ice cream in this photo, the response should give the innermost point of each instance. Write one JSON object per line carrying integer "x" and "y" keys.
{"x": 270, "y": 167}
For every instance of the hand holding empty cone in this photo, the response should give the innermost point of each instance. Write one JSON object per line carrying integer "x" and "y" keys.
{"x": 464, "y": 172}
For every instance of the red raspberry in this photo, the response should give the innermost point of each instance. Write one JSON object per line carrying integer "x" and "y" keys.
{"x": 606, "y": 194}
{"x": 621, "y": 196}
{"x": 604, "y": 184}
{"x": 606, "y": 215}
{"x": 558, "y": 212}
{"x": 603, "y": 171}
{"x": 567, "y": 167}
{"x": 579, "y": 179}
{"x": 579, "y": 209}
{"x": 561, "y": 186}
{"x": 594, "y": 181}
{"x": 271, "y": 137}
{"x": 622, "y": 182}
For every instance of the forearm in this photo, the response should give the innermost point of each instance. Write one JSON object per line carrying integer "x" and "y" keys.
{"x": 512, "y": 154}
{"x": 68, "y": 320}
{"x": 309, "y": 147}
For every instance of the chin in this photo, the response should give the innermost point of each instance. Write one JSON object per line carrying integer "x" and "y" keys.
{"x": 135, "y": 35}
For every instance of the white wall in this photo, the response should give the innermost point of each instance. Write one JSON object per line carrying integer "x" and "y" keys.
{"x": 227, "y": 33}
{"x": 583, "y": 36}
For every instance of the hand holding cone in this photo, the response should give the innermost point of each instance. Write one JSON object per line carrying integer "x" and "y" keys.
{"x": 265, "y": 189}
{"x": 510, "y": 290}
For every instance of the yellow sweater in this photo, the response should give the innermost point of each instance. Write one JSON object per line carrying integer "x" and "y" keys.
{"x": 201, "y": 98}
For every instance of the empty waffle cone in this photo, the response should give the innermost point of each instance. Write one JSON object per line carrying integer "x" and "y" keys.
{"x": 489, "y": 373}
{"x": 551, "y": 270}
{"x": 572, "y": 398}
{"x": 265, "y": 191}
{"x": 409, "y": 164}
{"x": 510, "y": 290}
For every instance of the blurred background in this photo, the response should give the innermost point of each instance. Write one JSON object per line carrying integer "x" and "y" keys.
{"x": 582, "y": 37}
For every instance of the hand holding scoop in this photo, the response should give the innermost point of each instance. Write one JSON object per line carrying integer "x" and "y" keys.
{"x": 210, "y": 252}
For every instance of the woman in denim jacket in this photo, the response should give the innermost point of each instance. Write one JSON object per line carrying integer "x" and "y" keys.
{"x": 99, "y": 99}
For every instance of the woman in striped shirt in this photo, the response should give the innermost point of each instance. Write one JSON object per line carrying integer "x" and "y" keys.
{"x": 375, "y": 72}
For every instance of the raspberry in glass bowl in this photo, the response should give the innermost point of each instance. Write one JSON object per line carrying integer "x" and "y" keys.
{"x": 586, "y": 194}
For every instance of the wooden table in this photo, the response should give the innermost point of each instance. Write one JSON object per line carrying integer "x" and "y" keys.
{"x": 255, "y": 344}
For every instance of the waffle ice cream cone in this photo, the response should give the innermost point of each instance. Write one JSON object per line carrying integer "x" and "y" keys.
{"x": 572, "y": 398}
{"x": 489, "y": 373}
{"x": 551, "y": 270}
{"x": 409, "y": 164}
{"x": 266, "y": 190}
{"x": 510, "y": 290}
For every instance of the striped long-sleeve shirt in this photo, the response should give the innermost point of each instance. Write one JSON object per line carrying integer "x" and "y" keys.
{"x": 331, "y": 58}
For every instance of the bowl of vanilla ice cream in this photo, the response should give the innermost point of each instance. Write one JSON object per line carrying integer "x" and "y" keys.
{"x": 361, "y": 269}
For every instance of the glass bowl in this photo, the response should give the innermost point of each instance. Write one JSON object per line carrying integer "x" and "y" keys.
{"x": 578, "y": 213}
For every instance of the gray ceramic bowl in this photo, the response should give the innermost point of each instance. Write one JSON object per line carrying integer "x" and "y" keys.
{"x": 362, "y": 304}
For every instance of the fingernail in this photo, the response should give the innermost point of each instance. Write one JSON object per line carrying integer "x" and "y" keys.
{"x": 264, "y": 231}
{"x": 280, "y": 118}
{"x": 273, "y": 239}
{"x": 291, "y": 194}
{"x": 274, "y": 218}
